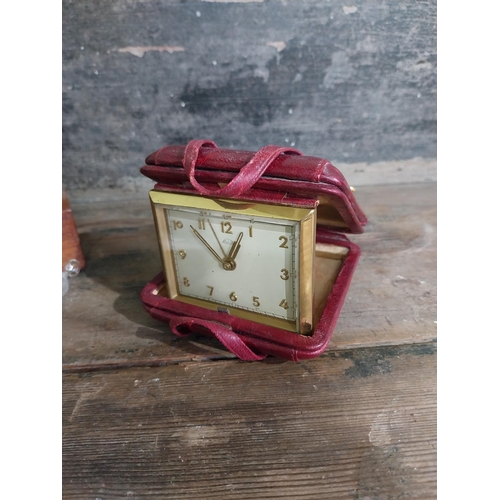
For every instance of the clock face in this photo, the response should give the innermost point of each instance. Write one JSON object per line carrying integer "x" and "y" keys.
{"x": 236, "y": 259}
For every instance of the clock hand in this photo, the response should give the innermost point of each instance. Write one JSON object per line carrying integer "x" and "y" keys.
{"x": 213, "y": 252}
{"x": 235, "y": 248}
{"x": 218, "y": 241}
{"x": 228, "y": 262}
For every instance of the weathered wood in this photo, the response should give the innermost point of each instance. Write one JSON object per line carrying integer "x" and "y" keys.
{"x": 351, "y": 424}
{"x": 392, "y": 299}
{"x": 355, "y": 424}
{"x": 352, "y": 83}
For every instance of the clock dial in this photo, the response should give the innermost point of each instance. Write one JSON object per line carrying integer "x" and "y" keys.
{"x": 251, "y": 260}
{"x": 236, "y": 260}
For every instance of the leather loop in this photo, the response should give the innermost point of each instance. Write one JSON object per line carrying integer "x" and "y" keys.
{"x": 244, "y": 179}
{"x": 230, "y": 340}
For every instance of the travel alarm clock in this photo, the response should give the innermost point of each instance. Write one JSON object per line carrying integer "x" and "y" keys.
{"x": 244, "y": 238}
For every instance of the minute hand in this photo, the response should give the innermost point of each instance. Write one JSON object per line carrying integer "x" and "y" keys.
{"x": 213, "y": 252}
{"x": 217, "y": 238}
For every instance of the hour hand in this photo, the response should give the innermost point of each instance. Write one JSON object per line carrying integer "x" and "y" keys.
{"x": 212, "y": 251}
{"x": 228, "y": 262}
{"x": 235, "y": 248}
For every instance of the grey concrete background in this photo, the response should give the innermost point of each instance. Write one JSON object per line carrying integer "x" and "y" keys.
{"x": 352, "y": 81}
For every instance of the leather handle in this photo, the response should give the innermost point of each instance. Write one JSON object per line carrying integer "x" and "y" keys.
{"x": 248, "y": 175}
{"x": 224, "y": 335}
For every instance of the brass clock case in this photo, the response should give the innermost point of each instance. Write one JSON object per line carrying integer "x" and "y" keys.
{"x": 305, "y": 218}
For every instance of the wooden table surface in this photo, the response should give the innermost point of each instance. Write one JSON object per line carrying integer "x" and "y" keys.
{"x": 149, "y": 415}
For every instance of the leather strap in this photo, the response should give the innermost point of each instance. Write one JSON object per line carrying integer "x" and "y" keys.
{"x": 248, "y": 175}
{"x": 232, "y": 342}
{"x": 244, "y": 179}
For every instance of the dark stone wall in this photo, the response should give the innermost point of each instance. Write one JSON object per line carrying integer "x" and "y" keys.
{"x": 350, "y": 81}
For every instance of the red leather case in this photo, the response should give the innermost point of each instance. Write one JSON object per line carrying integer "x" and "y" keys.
{"x": 272, "y": 175}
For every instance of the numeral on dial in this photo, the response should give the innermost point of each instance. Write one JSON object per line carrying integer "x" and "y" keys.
{"x": 182, "y": 254}
{"x": 256, "y": 302}
{"x": 201, "y": 223}
{"x": 284, "y": 304}
{"x": 284, "y": 274}
{"x": 233, "y": 296}
{"x": 178, "y": 224}
{"x": 250, "y": 231}
{"x": 211, "y": 290}
{"x": 285, "y": 241}
{"x": 186, "y": 282}
{"x": 226, "y": 227}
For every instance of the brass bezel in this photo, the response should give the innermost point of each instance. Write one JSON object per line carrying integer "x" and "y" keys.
{"x": 305, "y": 216}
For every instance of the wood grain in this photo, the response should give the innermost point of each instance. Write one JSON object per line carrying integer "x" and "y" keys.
{"x": 348, "y": 425}
{"x": 148, "y": 415}
{"x": 392, "y": 299}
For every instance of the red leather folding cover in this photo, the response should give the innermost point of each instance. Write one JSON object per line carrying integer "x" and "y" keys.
{"x": 273, "y": 175}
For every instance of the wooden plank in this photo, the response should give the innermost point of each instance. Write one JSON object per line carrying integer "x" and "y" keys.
{"x": 392, "y": 299}
{"x": 354, "y": 424}
{"x": 393, "y": 295}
